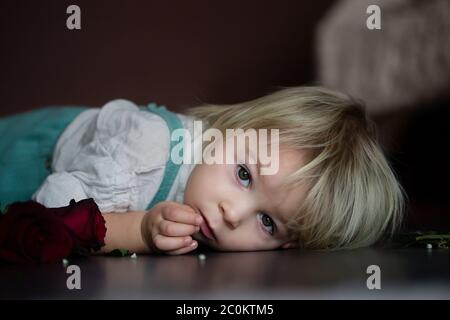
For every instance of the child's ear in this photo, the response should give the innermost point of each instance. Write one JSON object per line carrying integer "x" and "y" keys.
{"x": 288, "y": 245}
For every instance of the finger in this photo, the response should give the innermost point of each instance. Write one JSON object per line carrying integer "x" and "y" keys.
{"x": 182, "y": 215}
{"x": 175, "y": 229}
{"x": 184, "y": 250}
{"x": 164, "y": 243}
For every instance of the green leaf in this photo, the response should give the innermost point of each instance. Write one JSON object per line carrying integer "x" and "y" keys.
{"x": 434, "y": 237}
{"x": 118, "y": 253}
{"x": 422, "y": 239}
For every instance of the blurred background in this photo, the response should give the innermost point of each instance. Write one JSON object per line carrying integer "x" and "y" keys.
{"x": 185, "y": 53}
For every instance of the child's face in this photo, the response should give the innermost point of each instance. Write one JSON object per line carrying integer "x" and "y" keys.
{"x": 245, "y": 211}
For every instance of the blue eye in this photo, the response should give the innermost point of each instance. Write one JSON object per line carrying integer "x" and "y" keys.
{"x": 244, "y": 175}
{"x": 267, "y": 223}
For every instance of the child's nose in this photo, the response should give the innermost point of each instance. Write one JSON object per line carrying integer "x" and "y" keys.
{"x": 230, "y": 215}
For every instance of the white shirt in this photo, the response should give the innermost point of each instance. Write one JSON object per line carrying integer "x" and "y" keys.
{"x": 116, "y": 155}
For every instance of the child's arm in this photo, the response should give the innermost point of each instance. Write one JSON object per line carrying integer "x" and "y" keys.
{"x": 123, "y": 231}
{"x": 167, "y": 228}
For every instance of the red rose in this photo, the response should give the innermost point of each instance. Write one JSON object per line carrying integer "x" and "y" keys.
{"x": 86, "y": 222}
{"x": 30, "y": 232}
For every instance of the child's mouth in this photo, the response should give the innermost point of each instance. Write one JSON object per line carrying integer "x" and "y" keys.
{"x": 206, "y": 230}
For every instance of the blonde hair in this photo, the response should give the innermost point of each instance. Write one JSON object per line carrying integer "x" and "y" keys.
{"x": 353, "y": 196}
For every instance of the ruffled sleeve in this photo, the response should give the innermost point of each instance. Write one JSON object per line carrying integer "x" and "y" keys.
{"x": 115, "y": 155}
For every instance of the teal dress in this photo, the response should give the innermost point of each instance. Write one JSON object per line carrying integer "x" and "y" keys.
{"x": 28, "y": 140}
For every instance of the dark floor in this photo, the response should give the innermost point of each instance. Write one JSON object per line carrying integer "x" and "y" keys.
{"x": 289, "y": 274}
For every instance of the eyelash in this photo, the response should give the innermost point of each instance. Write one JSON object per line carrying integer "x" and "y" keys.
{"x": 260, "y": 215}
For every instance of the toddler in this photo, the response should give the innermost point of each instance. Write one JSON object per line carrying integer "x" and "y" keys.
{"x": 333, "y": 187}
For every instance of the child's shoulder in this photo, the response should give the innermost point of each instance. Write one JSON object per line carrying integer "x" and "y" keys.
{"x": 122, "y": 115}
{"x": 133, "y": 137}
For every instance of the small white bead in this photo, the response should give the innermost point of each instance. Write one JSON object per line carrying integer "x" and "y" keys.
{"x": 133, "y": 256}
{"x": 429, "y": 246}
{"x": 201, "y": 257}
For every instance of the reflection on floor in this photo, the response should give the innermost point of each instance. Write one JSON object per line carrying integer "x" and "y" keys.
{"x": 288, "y": 274}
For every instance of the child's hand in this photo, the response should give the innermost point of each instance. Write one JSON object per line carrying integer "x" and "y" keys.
{"x": 168, "y": 227}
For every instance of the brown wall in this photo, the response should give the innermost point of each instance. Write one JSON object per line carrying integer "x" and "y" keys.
{"x": 177, "y": 53}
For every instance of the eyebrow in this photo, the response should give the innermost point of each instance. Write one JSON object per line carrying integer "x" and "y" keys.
{"x": 258, "y": 167}
{"x": 258, "y": 164}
